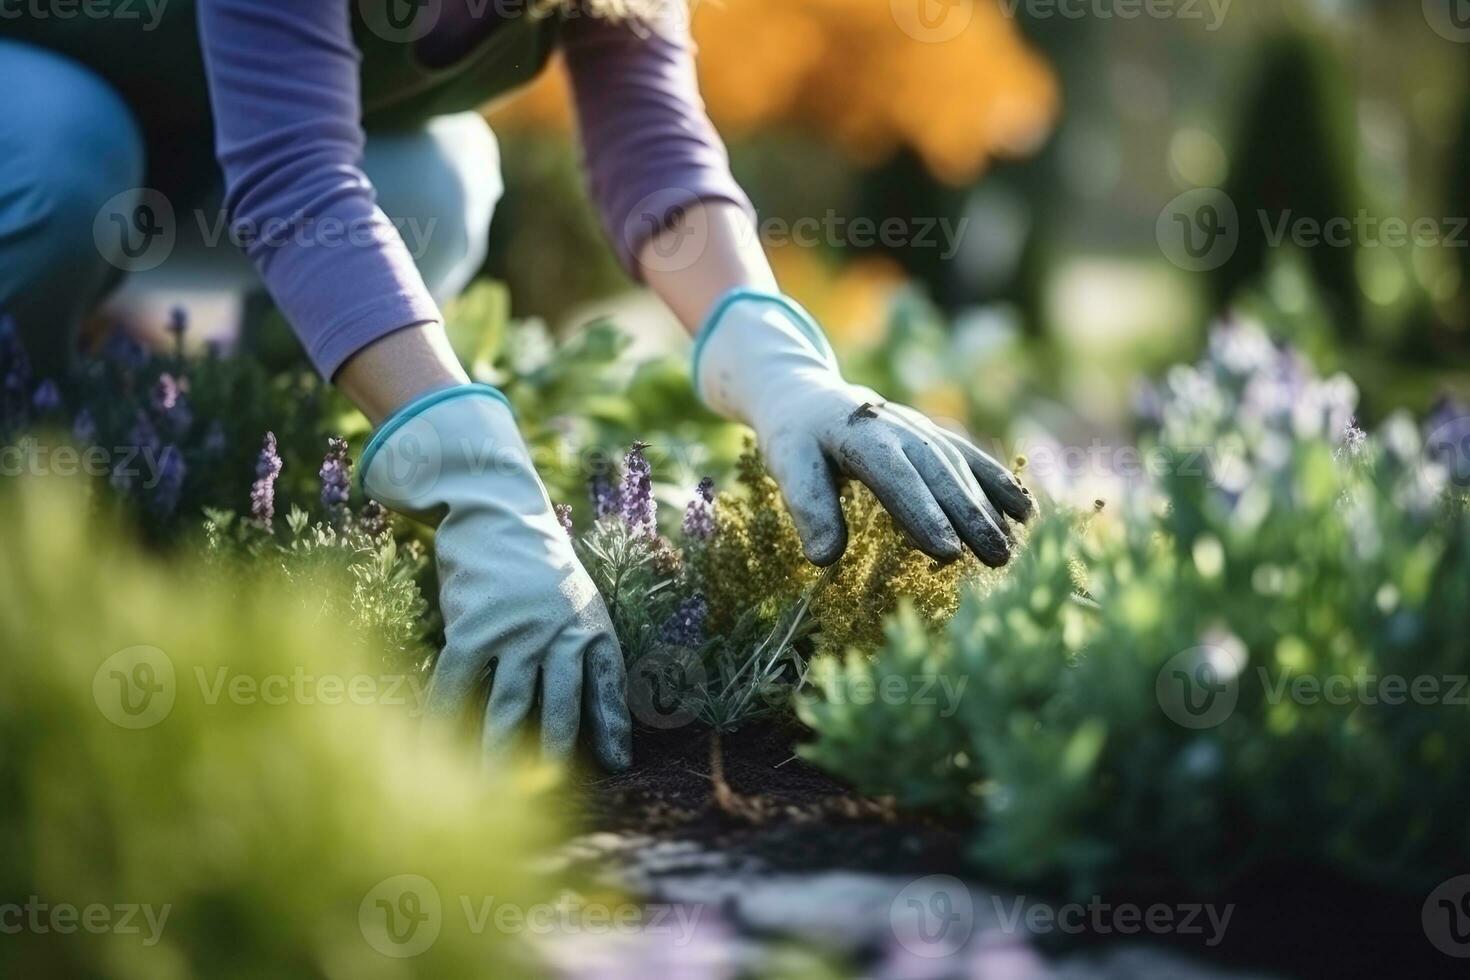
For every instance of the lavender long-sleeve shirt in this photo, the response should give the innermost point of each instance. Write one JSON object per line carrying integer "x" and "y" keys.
{"x": 284, "y": 85}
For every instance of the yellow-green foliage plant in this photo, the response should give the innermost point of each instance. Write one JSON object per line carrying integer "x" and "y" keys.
{"x": 208, "y": 750}
{"x": 754, "y": 561}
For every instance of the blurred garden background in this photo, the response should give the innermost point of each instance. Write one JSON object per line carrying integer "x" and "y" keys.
{"x": 1040, "y": 148}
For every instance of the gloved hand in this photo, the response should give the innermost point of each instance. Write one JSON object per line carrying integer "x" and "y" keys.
{"x": 520, "y": 612}
{"x": 761, "y": 359}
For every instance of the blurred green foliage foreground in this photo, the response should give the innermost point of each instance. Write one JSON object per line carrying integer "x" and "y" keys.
{"x": 204, "y": 777}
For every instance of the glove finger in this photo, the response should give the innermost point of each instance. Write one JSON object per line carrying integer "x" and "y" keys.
{"x": 881, "y": 465}
{"x": 561, "y": 697}
{"x": 809, "y": 488}
{"x": 962, "y": 502}
{"x": 999, "y": 483}
{"x": 605, "y": 700}
{"x": 458, "y": 677}
{"x": 512, "y": 690}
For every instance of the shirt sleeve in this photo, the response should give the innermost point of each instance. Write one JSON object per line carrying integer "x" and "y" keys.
{"x": 284, "y": 85}
{"x": 650, "y": 148}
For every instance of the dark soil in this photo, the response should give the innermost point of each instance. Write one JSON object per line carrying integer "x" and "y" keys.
{"x": 749, "y": 794}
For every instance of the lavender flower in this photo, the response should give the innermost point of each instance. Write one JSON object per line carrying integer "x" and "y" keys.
{"x": 170, "y": 482}
{"x": 143, "y": 436}
{"x": 685, "y": 625}
{"x": 15, "y": 373}
{"x": 606, "y": 498}
{"x": 263, "y": 490}
{"x": 638, "y": 509}
{"x": 178, "y": 324}
{"x": 171, "y": 404}
{"x": 144, "y": 440}
{"x": 84, "y": 427}
{"x": 699, "y": 514}
{"x": 124, "y": 351}
{"x": 47, "y": 398}
{"x": 336, "y": 477}
{"x": 564, "y": 518}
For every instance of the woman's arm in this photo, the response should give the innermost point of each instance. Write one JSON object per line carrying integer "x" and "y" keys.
{"x": 283, "y": 81}
{"x": 661, "y": 178}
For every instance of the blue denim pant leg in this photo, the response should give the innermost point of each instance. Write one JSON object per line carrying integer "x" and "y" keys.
{"x": 69, "y": 151}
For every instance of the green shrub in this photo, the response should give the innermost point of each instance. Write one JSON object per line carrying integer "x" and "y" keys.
{"x": 1221, "y": 682}
{"x": 212, "y": 746}
{"x": 732, "y": 613}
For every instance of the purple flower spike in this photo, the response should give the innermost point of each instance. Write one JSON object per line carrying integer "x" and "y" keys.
{"x": 336, "y": 477}
{"x": 638, "y": 508}
{"x": 699, "y": 514}
{"x": 564, "y": 518}
{"x": 84, "y": 427}
{"x": 606, "y": 499}
{"x": 178, "y": 323}
{"x": 169, "y": 483}
{"x": 47, "y": 398}
{"x": 171, "y": 404}
{"x": 263, "y": 490}
{"x": 685, "y": 625}
{"x": 15, "y": 373}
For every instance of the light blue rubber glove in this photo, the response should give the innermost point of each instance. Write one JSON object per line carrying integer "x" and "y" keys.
{"x": 761, "y": 359}
{"x": 520, "y": 612}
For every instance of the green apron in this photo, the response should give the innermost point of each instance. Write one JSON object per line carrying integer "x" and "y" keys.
{"x": 159, "y": 73}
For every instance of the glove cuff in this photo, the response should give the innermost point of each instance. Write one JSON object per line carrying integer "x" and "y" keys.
{"x": 412, "y": 411}
{"x": 806, "y": 342}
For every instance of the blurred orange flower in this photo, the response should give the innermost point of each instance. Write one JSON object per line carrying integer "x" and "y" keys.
{"x": 866, "y": 74}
